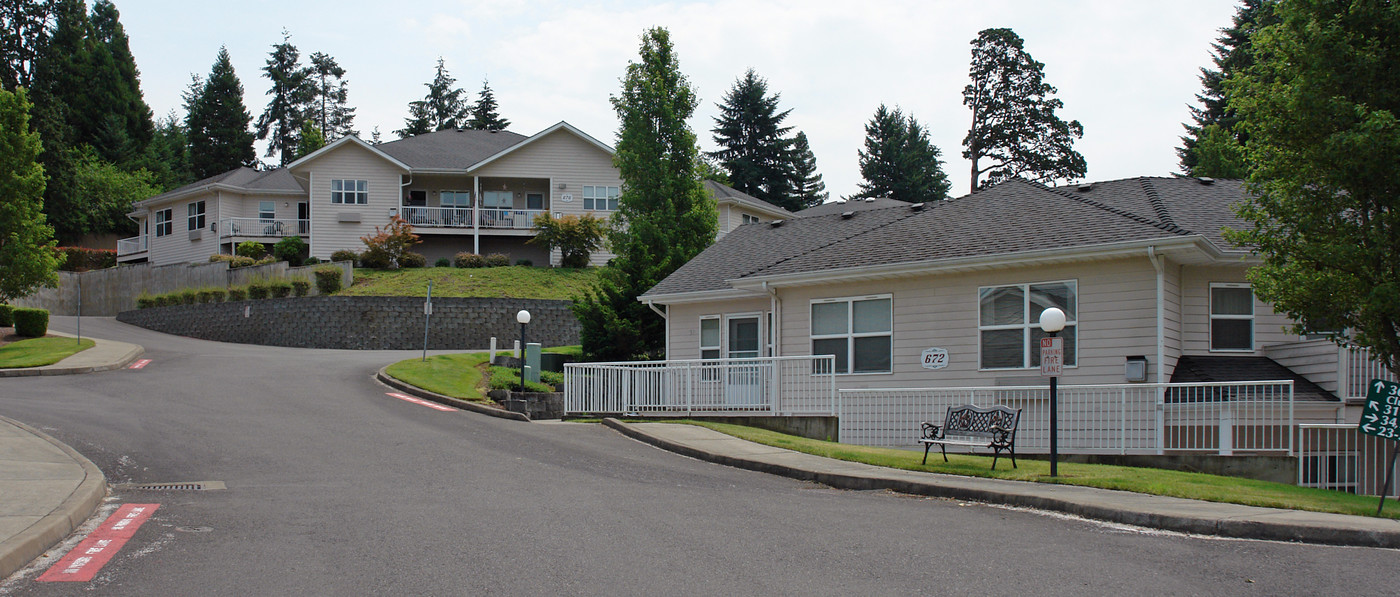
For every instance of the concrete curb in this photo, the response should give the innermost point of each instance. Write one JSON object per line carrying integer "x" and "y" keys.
{"x": 19, "y": 550}
{"x": 1034, "y": 495}
{"x": 125, "y": 358}
{"x": 390, "y": 381}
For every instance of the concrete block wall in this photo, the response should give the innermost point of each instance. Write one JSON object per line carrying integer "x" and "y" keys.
{"x": 365, "y": 322}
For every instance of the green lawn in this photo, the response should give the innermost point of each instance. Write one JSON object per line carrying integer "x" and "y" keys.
{"x": 455, "y": 375}
{"x": 1196, "y": 486}
{"x": 37, "y": 352}
{"x": 508, "y": 282}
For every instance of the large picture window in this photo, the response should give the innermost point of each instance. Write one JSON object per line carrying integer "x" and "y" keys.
{"x": 857, "y": 331}
{"x": 196, "y": 215}
{"x": 600, "y": 198}
{"x": 1009, "y": 323}
{"x": 1231, "y": 317}
{"x": 456, "y": 198}
{"x": 497, "y": 199}
{"x": 349, "y": 191}
{"x": 164, "y": 226}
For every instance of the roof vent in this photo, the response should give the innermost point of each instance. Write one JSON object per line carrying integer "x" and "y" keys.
{"x": 1206, "y": 180}
{"x": 916, "y": 206}
{"x": 846, "y": 215}
{"x": 775, "y": 223}
{"x": 840, "y": 202}
{"x": 1084, "y": 188}
{"x": 869, "y": 199}
{"x": 460, "y": 129}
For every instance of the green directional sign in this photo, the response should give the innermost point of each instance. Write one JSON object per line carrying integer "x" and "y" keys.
{"x": 1381, "y": 417}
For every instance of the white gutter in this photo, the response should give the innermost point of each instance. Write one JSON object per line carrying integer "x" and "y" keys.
{"x": 666, "y": 345}
{"x": 774, "y": 304}
{"x": 311, "y": 214}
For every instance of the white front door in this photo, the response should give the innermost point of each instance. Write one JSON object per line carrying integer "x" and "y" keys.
{"x": 745, "y": 383}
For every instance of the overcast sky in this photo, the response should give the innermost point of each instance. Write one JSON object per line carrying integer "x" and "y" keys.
{"x": 1127, "y": 70}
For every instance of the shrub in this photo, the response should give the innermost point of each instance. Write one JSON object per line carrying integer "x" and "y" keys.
{"x": 265, "y": 260}
{"x": 389, "y": 245}
{"x": 218, "y": 294}
{"x": 7, "y": 316}
{"x": 168, "y": 299}
{"x": 442, "y": 262}
{"x": 290, "y": 249}
{"x": 145, "y": 300}
{"x": 81, "y": 259}
{"x": 234, "y": 261}
{"x": 311, "y": 261}
{"x": 258, "y": 289}
{"x": 411, "y": 259}
{"x": 524, "y": 262}
{"x": 280, "y": 288}
{"x": 189, "y": 296}
{"x": 251, "y": 248}
{"x": 237, "y": 293}
{"x": 301, "y": 287}
{"x": 497, "y": 260}
{"x": 327, "y": 280}
{"x": 575, "y": 237}
{"x": 468, "y": 260}
{"x": 33, "y": 323}
{"x": 206, "y": 295}
{"x": 345, "y": 255}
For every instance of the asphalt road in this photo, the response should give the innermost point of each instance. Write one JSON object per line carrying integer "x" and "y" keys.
{"x": 335, "y": 488}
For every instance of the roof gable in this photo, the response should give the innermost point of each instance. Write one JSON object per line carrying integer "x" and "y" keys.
{"x": 349, "y": 140}
{"x": 725, "y": 193}
{"x": 560, "y": 126}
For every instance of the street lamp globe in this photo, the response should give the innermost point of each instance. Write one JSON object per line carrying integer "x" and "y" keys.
{"x": 1052, "y": 320}
{"x": 524, "y": 317}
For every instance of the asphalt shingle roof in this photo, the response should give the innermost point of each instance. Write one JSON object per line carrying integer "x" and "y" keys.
{"x": 1213, "y": 368}
{"x": 845, "y": 205}
{"x": 724, "y": 191}
{"x": 1013, "y": 217}
{"x": 243, "y": 178}
{"x": 449, "y": 149}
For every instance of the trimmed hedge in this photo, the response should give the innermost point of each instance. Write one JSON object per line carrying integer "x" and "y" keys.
{"x": 300, "y": 287}
{"x": 469, "y": 260}
{"x": 33, "y": 323}
{"x": 82, "y": 259}
{"x": 411, "y": 259}
{"x": 7, "y": 316}
{"x": 497, "y": 260}
{"x": 327, "y": 280}
{"x": 345, "y": 255}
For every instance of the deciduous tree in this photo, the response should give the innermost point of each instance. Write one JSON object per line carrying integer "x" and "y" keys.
{"x": 27, "y": 255}
{"x": 899, "y": 161}
{"x": 1014, "y": 124}
{"x": 576, "y": 237}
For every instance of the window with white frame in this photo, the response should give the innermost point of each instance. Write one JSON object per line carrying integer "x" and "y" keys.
{"x": 349, "y": 191}
{"x": 1008, "y": 324}
{"x": 600, "y": 198}
{"x": 497, "y": 199}
{"x": 1231, "y": 317}
{"x": 857, "y": 331}
{"x": 196, "y": 215}
{"x": 748, "y": 219}
{"x": 709, "y": 337}
{"x": 456, "y": 198}
{"x": 267, "y": 210}
{"x": 164, "y": 225}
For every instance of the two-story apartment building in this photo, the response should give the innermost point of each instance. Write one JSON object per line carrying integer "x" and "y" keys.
{"x": 462, "y": 190}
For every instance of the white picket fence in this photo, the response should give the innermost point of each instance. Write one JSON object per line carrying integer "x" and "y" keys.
{"x": 1222, "y": 418}
{"x": 1338, "y": 456}
{"x": 801, "y": 385}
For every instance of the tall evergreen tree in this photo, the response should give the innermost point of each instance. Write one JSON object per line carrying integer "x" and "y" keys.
{"x": 1013, "y": 116}
{"x": 807, "y": 184}
{"x": 24, "y": 31}
{"x": 113, "y": 117}
{"x": 60, "y": 72}
{"x": 443, "y": 107}
{"x": 217, "y": 122}
{"x": 168, "y": 155}
{"x": 754, "y": 145}
{"x": 899, "y": 161}
{"x": 292, "y": 92}
{"x": 483, "y": 114}
{"x": 334, "y": 117}
{"x": 664, "y": 217}
{"x": 1213, "y": 145}
{"x": 27, "y": 257}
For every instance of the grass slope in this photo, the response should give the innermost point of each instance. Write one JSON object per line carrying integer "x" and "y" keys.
{"x": 492, "y": 282}
{"x": 37, "y": 352}
{"x": 1196, "y": 486}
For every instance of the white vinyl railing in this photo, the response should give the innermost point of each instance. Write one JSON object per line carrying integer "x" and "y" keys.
{"x": 1358, "y": 369}
{"x": 758, "y": 386}
{"x": 258, "y": 227}
{"x": 1342, "y": 458}
{"x": 515, "y": 219}
{"x": 438, "y": 217}
{"x": 128, "y": 246}
{"x": 1093, "y": 419}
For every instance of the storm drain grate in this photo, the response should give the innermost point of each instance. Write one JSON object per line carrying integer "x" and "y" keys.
{"x": 190, "y": 486}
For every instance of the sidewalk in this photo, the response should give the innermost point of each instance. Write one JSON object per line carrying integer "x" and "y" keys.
{"x": 1173, "y": 514}
{"x": 46, "y": 490}
{"x": 105, "y": 355}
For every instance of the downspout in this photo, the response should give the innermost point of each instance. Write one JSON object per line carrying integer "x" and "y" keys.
{"x": 774, "y": 306}
{"x": 476, "y": 215}
{"x": 1161, "y": 344}
{"x": 667, "y": 321}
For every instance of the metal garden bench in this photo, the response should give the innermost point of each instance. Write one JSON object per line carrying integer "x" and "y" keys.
{"x": 976, "y": 427}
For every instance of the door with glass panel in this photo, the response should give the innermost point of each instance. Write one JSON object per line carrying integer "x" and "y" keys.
{"x": 745, "y": 382}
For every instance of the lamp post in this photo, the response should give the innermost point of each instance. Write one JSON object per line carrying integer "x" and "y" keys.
{"x": 523, "y": 317}
{"x": 1052, "y": 354}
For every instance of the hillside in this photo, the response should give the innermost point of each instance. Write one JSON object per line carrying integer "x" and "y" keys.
{"x": 512, "y": 282}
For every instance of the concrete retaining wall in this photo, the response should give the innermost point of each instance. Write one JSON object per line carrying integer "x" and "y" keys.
{"x": 108, "y": 292}
{"x": 364, "y": 322}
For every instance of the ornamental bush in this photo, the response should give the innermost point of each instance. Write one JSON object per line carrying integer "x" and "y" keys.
{"x": 237, "y": 293}
{"x": 32, "y": 323}
{"x": 345, "y": 255}
{"x": 387, "y": 247}
{"x": 280, "y": 288}
{"x": 411, "y": 259}
{"x": 251, "y": 248}
{"x": 442, "y": 262}
{"x": 290, "y": 249}
{"x": 300, "y": 287}
{"x": 497, "y": 260}
{"x": 327, "y": 280}
{"x": 7, "y": 315}
{"x": 468, "y": 260}
{"x": 258, "y": 290}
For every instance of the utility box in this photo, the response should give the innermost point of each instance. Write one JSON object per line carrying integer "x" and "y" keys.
{"x": 1135, "y": 369}
{"x": 532, "y": 362}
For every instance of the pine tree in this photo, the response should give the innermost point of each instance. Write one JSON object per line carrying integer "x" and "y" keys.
{"x": 899, "y": 161}
{"x": 27, "y": 255}
{"x": 115, "y": 119}
{"x": 1213, "y": 145}
{"x": 806, "y": 182}
{"x": 24, "y": 32}
{"x": 217, "y": 122}
{"x": 167, "y": 157}
{"x": 1013, "y": 116}
{"x": 443, "y": 108}
{"x": 334, "y": 118}
{"x": 664, "y": 217}
{"x": 292, "y": 92}
{"x": 754, "y": 146}
{"x": 59, "y": 76}
{"x": 483, "y": 114}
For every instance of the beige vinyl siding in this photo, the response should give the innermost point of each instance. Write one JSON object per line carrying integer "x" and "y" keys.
{"x": 1195, "y": 299}
{"x": 1316, "y": 360}
{"x": 177, "y": 246}
{"x": 1172, "y": 325}
{"x": 685, "y": 324}
{"x": 347, "y": 162}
